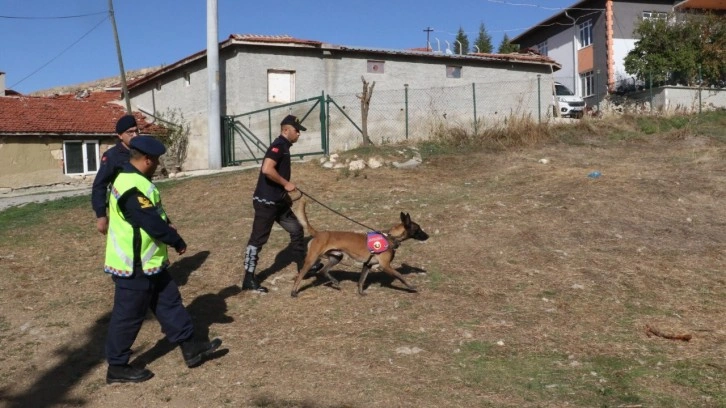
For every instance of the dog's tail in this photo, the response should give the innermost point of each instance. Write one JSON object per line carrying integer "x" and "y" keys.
{"x": 298, "y": 208}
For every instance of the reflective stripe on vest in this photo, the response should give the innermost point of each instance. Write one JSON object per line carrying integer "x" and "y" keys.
{"x": 120, "y": 254}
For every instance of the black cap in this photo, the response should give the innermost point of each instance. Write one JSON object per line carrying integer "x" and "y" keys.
{"x": 125, "y": 123}
{"x": 293, "y": 121}
{"x": 148, "y": 145}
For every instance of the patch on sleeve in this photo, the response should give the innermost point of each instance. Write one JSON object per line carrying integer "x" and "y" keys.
{"x": 275, "y": 149}
{"x": 144, "y": 202}
{"x": 104, "y": 158}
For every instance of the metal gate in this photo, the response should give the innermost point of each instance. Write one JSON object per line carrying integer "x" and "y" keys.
{"x": 246, "y": 136}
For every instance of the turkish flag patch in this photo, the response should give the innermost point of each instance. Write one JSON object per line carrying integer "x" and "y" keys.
{"x": 275, "y": 149}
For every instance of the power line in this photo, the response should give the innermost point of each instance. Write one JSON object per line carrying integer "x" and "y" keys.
{"x": 52, "y": 18}
{"x": 61, "y": 53}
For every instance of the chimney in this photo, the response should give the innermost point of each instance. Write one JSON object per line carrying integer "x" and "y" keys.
{"x": 2, "y": 83}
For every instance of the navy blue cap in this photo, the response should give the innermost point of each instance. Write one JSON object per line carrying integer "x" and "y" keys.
{"x": 148, "y": 145}
{"x": 125, "y": 123}
{"x": 293, "y": 121}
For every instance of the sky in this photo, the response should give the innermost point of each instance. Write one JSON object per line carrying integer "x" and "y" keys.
{"x": 50, "y": 43}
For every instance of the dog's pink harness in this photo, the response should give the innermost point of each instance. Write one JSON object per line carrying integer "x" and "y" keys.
{"x": 377, "y": 242}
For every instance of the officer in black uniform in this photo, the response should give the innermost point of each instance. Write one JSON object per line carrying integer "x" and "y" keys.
{"x": 271, "y": 201}
{"x": 142, "y": 290}
{"x": 112, "y": 162}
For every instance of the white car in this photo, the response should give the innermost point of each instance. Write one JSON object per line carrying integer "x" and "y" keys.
{"x": 569, "y": 104}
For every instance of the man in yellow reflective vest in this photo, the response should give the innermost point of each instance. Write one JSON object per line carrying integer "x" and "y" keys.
{"x": 137, "y": 258}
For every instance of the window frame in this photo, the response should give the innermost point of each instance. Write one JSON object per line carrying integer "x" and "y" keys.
{"x": 454, "y": 71}
{"x": 372, "y": 64}
{"x": 588, "y": 83}
{"x": 543, "y": 48}
{"x": 585, "y": 33}
{"x": 84, "y": 156}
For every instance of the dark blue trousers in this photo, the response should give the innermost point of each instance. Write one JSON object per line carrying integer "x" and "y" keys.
{"x": 133, "y": 297}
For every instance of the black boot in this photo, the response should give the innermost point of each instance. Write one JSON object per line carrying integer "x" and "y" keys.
{"x": 126, "y": 373}
{"x": 250, "y": 283}
{"x": 195, "y": 352}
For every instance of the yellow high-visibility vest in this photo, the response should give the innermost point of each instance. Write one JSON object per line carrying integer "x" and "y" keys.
{"x": 120, "y": 253}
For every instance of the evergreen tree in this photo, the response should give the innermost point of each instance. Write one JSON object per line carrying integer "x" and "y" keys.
{"x": 506, "y": 46}
{"x": 484, "y": 40}
{"x": 462, "y": 46}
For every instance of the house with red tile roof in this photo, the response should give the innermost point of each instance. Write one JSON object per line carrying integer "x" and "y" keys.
{"x": 275, "y": 74}
{"x": 46, "y": 141}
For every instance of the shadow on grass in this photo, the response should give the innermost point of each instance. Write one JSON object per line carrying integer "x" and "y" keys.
{"x": 374, "y": 277}
{"x": 81, "y": 359}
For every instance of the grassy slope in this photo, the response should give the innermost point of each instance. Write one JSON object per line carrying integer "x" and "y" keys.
{"x": 539, "y": 283}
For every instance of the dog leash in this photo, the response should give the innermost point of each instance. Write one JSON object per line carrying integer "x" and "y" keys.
{"x": 334, "y": 211}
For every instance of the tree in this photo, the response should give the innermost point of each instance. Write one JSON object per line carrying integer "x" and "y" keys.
{"x": 679, "y": 50}
{"x": 365, "y": 104}
{"x": 484, "y": 40}
{"x": 506, "y": 46}
{"x": 174, "y": 134}
{"x": 461, "y": 45}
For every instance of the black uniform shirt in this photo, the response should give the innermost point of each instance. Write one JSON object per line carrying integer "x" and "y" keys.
{"x": 268, "y": 191}
{"x": 112, "y": 163}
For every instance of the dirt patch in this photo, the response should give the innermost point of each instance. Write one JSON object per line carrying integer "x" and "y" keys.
{"x": 536, "y": 288}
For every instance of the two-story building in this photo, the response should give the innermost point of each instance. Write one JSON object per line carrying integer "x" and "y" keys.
{"x": 591, "y": 39}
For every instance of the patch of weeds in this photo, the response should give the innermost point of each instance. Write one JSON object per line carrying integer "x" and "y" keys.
{"x": 547, "y": 294}
{"x": 4, "y": 324}
{"x": 705, "y": 377}
{"x": 344, "y": 172}
{"x": 435, "y": 278}
{"x": 58, "y": 324}
{"x": 32, "y": 214}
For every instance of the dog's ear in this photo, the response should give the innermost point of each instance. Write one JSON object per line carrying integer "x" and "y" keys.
{"x": 405, "y": 218}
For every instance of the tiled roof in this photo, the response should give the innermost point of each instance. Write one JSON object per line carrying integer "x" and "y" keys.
{"x": 254, "y": 40}
{"x": 90, "y": 113}
{"x": 282, "y": 39}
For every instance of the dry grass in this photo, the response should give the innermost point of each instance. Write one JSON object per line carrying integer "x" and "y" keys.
{"x": 538, "y": 285}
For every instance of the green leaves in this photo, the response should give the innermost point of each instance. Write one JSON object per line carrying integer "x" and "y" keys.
{"x": 681, "y": 50}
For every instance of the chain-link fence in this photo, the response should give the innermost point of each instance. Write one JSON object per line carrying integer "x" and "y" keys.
{"x": 403, "y": 114}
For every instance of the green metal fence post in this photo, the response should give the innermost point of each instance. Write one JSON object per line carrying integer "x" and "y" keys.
{"x": 405, "y": 104}
{"x": 539, "y": 98}
{"x": 473, "y": 91}
{"x": 323, "y": 124}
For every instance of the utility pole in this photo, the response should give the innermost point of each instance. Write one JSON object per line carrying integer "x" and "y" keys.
{"x": 428, "y": 30}
{"x": 120, "y": 58}
{"x": 214, "y": 117}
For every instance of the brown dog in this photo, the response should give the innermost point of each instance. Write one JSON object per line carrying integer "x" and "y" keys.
{"x": 334, "y": 245}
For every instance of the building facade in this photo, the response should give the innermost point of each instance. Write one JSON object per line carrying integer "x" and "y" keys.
{"x": 259, "y": 72}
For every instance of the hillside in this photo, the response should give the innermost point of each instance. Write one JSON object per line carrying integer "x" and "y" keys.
{"x": 95, "y": 85}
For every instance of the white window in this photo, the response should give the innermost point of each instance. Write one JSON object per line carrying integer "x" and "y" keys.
{"x": 453, "y": 72}
{"x": 588, "y": 83}
{"x": 280, "y": 86}
{"x": 375, "y": 67}
{"x": 585, "y": 33}
{"x": 655, "y": 15}
{"x": 80, "y": 157}
{"x": 542, "y": 48}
